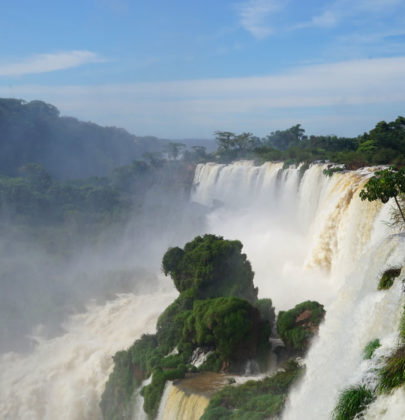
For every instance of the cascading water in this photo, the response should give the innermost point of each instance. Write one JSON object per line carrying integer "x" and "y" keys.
{"x": 308, "y": 237}
{"x": 64, "y": 377}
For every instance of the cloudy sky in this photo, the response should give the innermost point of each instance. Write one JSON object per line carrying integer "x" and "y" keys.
{"x": 182, "y": 69}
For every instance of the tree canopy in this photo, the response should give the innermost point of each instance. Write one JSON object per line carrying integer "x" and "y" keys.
{"x": 211, "y": 266}
{"x": 385, "y": 184}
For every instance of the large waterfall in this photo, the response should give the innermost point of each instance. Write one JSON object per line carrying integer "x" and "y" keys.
{"x": 308, "y": 237}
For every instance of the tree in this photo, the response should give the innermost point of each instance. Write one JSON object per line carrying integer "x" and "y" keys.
{"x": 385, "y": 184}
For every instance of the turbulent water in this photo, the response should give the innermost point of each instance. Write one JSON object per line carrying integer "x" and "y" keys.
{"x": 308, "y": 236}
{"x": 64, "y": 377}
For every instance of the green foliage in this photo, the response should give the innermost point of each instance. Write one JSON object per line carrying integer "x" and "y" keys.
{"x": 171, "y": 321}
{"x": 384, "y": 185}
{"x": 385, "y": 144}
{"x": 213, "y": 363}
{"x": 230, "y": 325}
{"x": 254, "y": 399}
{"x": 212, "y": 266}
{"x": 296, "y": 334}
{"x": 330, "y": 171}
{"x": 352, "y": 401}
{"x": 388, "y": 277}
{"x": 119, "y": 388}
{"x": 392, "y": 374}
{"x": 370, "y": 348}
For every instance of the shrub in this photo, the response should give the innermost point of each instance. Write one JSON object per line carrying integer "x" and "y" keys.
{"x": 388, "y": 277}
{"x": 231, "y": 325}
{"x": 293, "y": 332}
{"x": 392, "y": 374}
{"x": 330, "y": 171}
{"x": 370, "y": 348}
{"x": 213, "y": 363}
{"x": 352, "y": 401}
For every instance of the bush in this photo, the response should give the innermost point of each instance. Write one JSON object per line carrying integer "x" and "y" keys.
{"x": 213, "y": 363}
{"x": 392, "y": 374}
{"x": 352, "y": 401}
{"x": 370, "y": 348}
{"x": 230, "y": 325}
{"x": 388, "y": 277}
{"x": 295, "y": 333}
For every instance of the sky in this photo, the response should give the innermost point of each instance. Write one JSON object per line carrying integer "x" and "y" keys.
{"x": 185, "y": 69}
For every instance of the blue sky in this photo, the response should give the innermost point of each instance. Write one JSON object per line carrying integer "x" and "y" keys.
{"x": 182, "y": 69}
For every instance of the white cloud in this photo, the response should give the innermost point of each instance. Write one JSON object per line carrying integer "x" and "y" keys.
{"x": 43, "y": 63}
{"x": 254, "y": 15}
{"x": 341, "y": 10}
{"x": 186, "y": 108}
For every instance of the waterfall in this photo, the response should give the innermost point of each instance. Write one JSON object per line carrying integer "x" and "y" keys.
{"x": 308, "y": 237}
{"x": 177, "y": 404}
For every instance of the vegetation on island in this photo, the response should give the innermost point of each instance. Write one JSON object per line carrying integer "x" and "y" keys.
{"x": 298, "y": 325}
{"x": 217, "y": 310}
{"x": 256, "y": 400}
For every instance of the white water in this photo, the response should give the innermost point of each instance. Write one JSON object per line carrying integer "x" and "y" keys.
{"x": 64, "y": 377}
{"x": 313, "y": 238}
{"x": 307, "y": 238}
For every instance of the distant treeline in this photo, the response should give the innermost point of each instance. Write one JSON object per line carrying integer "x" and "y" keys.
{"x": 385, "y": 144}
{"x": 66, "y": 147}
